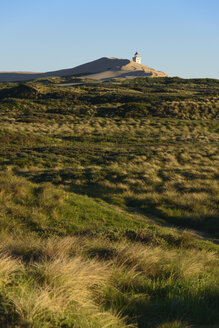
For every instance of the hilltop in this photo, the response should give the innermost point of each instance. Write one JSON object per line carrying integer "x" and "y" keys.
{"x": 101, "y": 69}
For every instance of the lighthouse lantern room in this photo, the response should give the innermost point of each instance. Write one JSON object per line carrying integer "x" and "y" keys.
{"x": 137, "y": 58}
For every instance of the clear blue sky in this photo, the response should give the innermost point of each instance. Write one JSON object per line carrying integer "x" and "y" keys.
{"x": 179, "y": 37}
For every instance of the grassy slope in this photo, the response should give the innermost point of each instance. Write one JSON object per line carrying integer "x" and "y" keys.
{"x": 68, "y": 260}
{"x": 72, "y": 167}
{"x": 167, "y": 168}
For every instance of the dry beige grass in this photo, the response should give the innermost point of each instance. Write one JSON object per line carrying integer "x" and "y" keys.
{"x": 60, "y": 285}
{"x": 63, "y": 280}
{"x": 8, "y": 268}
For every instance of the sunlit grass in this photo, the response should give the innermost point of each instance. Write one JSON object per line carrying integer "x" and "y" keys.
{"x": 93, "y": 205}
{"x": 95, "y": 282}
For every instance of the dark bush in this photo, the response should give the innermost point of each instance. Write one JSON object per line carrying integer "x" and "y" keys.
{"x": 133, "y": 109}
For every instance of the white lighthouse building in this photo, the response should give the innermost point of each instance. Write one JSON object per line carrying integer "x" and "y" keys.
{"x": 137, "y": 58}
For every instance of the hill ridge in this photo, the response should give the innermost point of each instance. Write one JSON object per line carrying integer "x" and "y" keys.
{"x": 102, "y": 69}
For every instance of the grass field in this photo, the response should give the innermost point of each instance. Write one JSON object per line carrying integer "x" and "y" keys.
{"x": 109, "y": 204}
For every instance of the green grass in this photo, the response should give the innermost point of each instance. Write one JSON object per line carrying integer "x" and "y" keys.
{"x": 100, "y": 186}
{"x": 166, "y": 168}
{"x": 70, "y": 260}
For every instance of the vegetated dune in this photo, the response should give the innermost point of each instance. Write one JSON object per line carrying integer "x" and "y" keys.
{"x": 101, "y": 69}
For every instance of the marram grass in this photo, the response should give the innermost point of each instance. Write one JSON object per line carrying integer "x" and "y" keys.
{"x": 100, "y": 188}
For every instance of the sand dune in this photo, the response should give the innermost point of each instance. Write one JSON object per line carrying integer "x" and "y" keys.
{"x": 101, "y": 69}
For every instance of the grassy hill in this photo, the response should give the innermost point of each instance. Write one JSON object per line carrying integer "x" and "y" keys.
{"x": 109, "y": 203}
{"x": 143, "y": 97}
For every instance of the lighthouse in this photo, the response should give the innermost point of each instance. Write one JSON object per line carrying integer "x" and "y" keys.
{"x": 137, "y": 58}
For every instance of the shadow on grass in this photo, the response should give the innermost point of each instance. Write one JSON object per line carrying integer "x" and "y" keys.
{"x": 67, "y": 177}
{"x": 89, "y": 185}
{"x": 166, "y": 305}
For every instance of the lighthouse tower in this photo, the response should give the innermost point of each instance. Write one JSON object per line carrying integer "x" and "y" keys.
{"x": 137, "y": 58}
